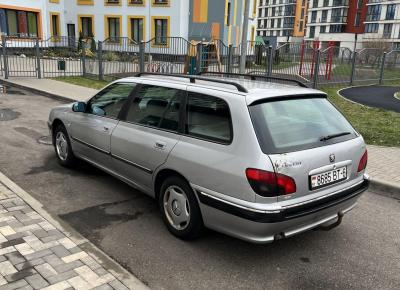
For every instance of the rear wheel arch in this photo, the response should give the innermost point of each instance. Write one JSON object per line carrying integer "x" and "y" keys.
{"x": 162, "y": 175}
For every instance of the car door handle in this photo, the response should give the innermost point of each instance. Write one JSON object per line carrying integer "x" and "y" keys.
{"x": 159, "y": 145}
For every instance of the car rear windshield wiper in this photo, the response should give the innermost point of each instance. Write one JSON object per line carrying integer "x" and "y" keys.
{"x": 328, "y": 137}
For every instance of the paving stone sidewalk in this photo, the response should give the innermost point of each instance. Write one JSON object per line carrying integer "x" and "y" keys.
{"x": 34, "y": 254}
{"x": 384, "y": 165}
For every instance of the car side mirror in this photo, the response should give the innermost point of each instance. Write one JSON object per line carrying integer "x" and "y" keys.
{"x": 79, "y": 107}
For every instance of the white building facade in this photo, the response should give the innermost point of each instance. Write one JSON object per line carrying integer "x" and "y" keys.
{"x": 382, "y": 23}
{"x": 101, "y": 19}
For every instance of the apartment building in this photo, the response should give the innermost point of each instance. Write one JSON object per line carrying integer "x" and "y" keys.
{"x": 281, "y": 21}
{"x": 382, "y": 23}
{"x": 222, "y": 19}
{"x": 140, "y": 20}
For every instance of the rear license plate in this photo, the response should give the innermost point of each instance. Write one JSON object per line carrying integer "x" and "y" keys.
{"x": 328, "y": 177}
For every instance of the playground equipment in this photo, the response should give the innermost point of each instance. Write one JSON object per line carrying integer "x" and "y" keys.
{"x": 328, "y": 53}
{"x": 209, "y": 54}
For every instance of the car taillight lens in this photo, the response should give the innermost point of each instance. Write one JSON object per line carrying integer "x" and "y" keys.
{"x": 363, "y": 162}
{"x": 270, "y": 184}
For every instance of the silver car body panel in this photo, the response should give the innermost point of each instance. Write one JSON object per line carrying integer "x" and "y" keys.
{"x": 136, "y": 154}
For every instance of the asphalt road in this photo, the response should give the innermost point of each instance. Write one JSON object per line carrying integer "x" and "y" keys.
{"x": 374, "y": 96}
{"x": 363, "y": 253}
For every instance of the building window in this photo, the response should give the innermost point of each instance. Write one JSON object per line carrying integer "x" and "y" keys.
{"x": 338, "y": 28}
{"x": 301, "y": 26}
{"x": 387, "y": 30}
{"x": 112, "y": 2}
{"x": 390, "y": 11}
{"x": 322, "y": 29}
{"x": 228, "y": 14}
{"x": 18, "y": 23}
{"x": 160, "y": 2}
{"x": 312, "y": 31}
{"x": 136, "y": 25}
{"x": 113, "y": 28}
{"x": 55, "y": 24}
{"x": 160, "y": 30}
{"x": 86, "y": 26}
{"x": 313, "y": 16}
{"x": 324, "y": 17}
{"x": 339, "y": 15}
{"x": 136, "y": 2}
{"x": 357, "y": 20}
{"x": 374, "y": 12}
{"x": 326, "y": 3}
{"x": 371, "y": 27}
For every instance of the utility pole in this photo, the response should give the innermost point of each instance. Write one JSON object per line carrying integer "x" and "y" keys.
{"x": 245, "y": 29}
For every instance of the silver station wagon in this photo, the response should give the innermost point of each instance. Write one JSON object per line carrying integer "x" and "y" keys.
{"x": 248, "y": 156}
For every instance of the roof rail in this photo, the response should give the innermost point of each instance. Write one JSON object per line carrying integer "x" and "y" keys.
{"x": 193, "y": 79}
{"x": 253, "y": 77}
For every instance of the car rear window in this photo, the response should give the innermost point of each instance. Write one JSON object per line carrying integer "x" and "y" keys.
{"x": 208, "y": 118}
{"x": 288, "y": 125}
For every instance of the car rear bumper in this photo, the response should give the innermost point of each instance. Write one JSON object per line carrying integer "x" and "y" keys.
{"x": 263, "y": 227}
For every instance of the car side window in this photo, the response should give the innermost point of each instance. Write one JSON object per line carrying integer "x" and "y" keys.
{"x": 109, "y": 101}
{"x": 208, "y": 118}
{"x": 156, "y": 107}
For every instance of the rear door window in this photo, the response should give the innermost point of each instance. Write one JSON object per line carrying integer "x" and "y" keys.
{"x": 298, "y": 124}
{"x": 208, "y": 118}
{"x": 156, "y": 106}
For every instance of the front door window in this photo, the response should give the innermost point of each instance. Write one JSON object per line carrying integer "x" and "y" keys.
{"x": 109, "y": 101}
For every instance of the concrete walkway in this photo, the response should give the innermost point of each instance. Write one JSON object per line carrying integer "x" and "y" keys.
{"x": 36, "y": 252}
{"x": 52, "y": 88}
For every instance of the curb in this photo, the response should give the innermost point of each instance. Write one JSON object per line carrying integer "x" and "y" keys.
{"x": 389, "y": 188}
{"x": 125, "y": 277}
{"x": 37, "y": 91}
{"x": 397, "y": 96}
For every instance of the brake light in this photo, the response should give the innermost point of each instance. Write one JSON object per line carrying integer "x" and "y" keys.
{"x": 363, "y": 161}
{"x": 270, "y": 184}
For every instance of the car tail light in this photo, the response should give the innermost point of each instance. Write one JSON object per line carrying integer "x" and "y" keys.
{"x": 270, "y": 184}
{"x": 363, "y": 161}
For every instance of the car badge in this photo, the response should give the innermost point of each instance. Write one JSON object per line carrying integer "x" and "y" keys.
{"x": 332, "y": 158}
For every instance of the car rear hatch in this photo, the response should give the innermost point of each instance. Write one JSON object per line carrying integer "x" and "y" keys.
{"x": 310, "y": 141}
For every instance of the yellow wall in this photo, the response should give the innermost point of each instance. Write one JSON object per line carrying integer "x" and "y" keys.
{"x": 299, "y": 19}
{"x": 84, "y": 2}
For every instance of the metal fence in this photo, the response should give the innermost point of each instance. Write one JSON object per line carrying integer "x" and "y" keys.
{"x": 120, "y": 57}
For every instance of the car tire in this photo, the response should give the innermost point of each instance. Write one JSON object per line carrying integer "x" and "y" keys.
{"x": 180, "y": 209}
{"x": 62, "y": 146}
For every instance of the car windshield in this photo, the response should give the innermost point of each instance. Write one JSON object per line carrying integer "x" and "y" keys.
{"x": 297, "y": 124}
